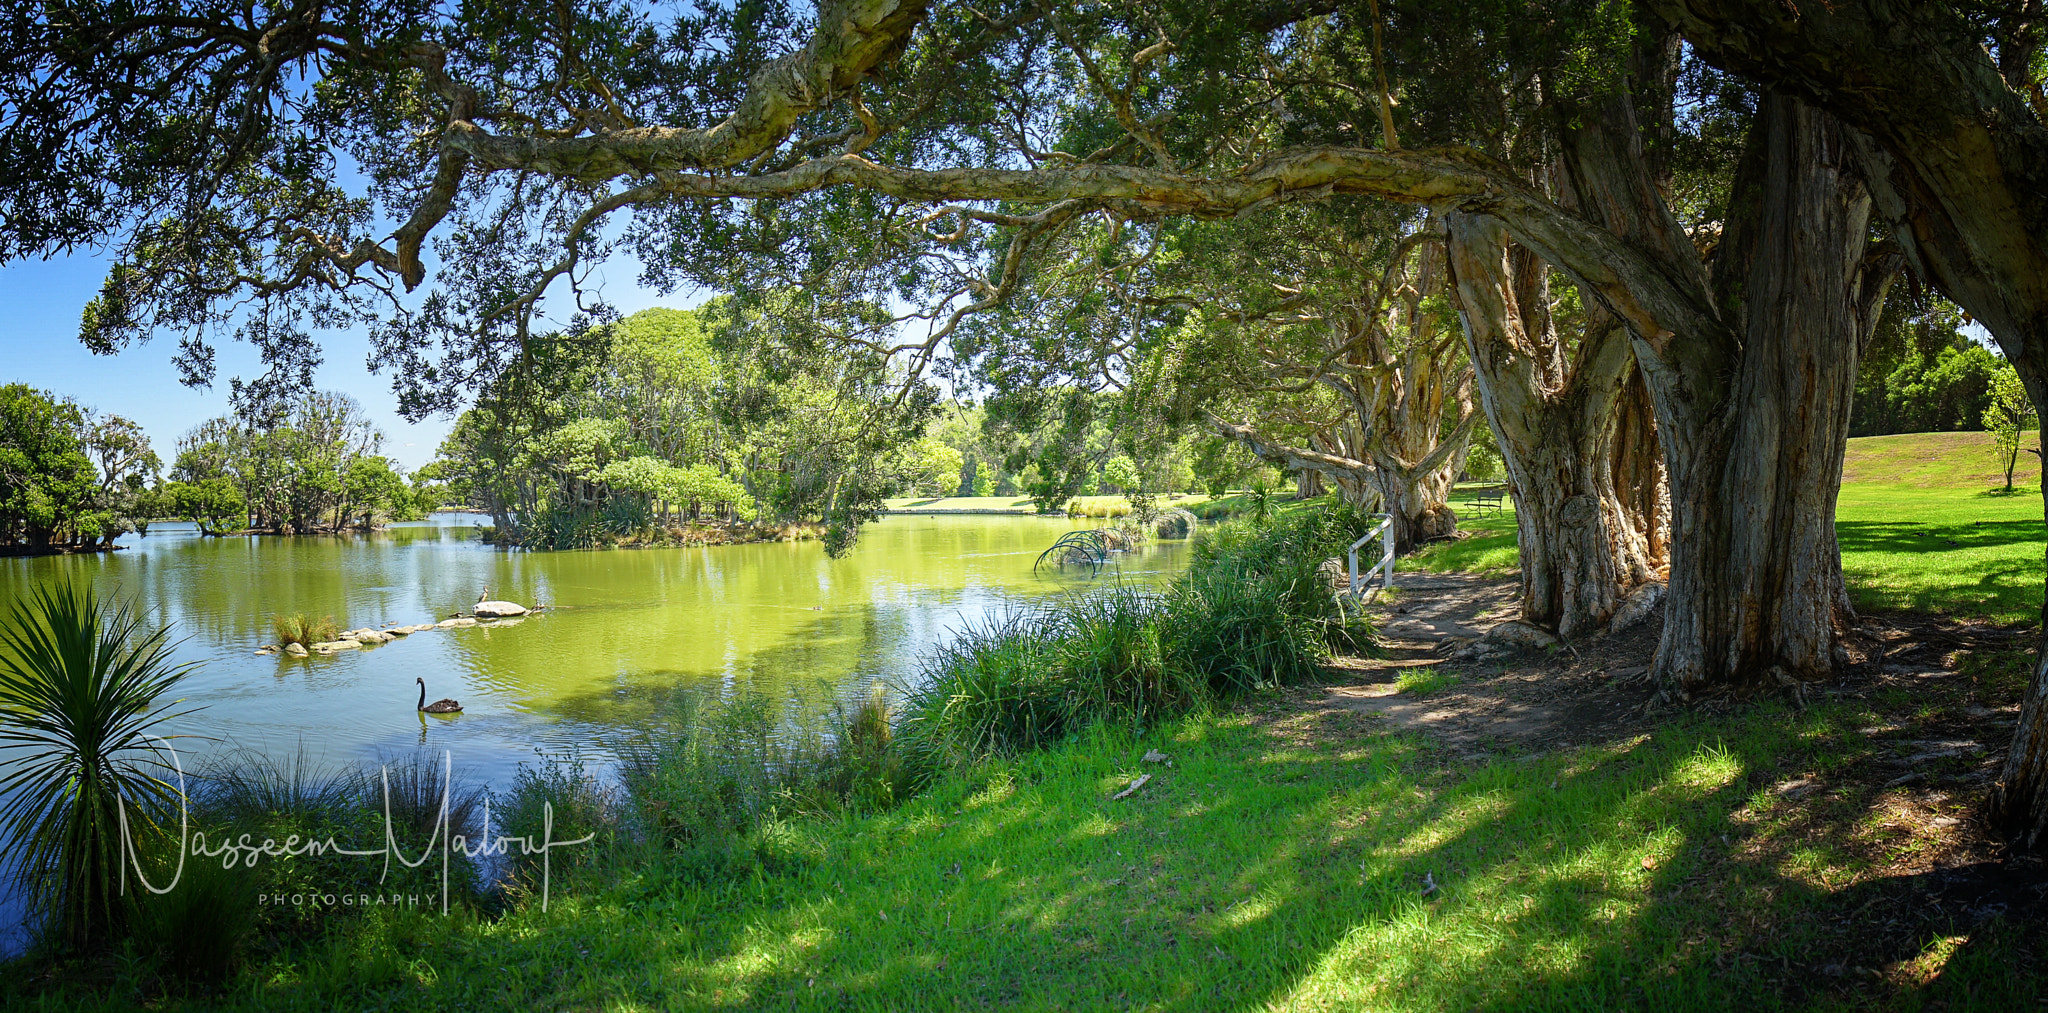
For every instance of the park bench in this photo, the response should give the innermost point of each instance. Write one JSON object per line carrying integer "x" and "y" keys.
{"x": 1488, "y": 498}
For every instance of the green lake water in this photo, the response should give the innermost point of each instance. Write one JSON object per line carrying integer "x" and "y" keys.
{"x": 623, "y": 627}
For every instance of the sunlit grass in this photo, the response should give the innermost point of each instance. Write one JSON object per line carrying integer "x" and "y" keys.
{"x": 1923, "y": 519}
{"x": 1352, "y": 875}
{"x": 1964, "y": 551}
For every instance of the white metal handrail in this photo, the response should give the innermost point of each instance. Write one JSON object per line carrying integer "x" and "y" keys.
{"x": 1384, "y": 531}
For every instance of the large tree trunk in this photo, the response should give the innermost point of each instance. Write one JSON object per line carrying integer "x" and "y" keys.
{"x": 1638, "y": 464}
{"x": 1555, "y": 424}
{"x": 1756, "y": 577}
{"x": 1958, "y": 162}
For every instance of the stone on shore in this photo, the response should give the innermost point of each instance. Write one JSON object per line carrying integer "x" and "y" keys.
{"x": 498, "y": 609}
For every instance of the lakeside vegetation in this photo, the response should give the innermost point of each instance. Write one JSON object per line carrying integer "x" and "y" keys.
{"x": 76, "y": 479}
{"x": 1647, "y": 266}
{"x": 964, "y": 847}
{"x": 716, "y": 791}
{"x": 70, "y": 478}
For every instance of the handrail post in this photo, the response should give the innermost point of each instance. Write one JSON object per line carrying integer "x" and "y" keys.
{"x": 1385, "y": 529}
{"x": 1387, "y": 557}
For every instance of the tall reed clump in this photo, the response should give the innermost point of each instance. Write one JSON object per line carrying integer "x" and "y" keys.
{"x": 863, "y": 767}
{"x": 300, "y": 629}
{"x": 82, "y": 681}
{"x": 1249, "y": 613}
{"x": 1042, "y": 675}
{"x": 554, "y": 799}
{"x": 713, "y": 776}
{"x": 199, "y": 926}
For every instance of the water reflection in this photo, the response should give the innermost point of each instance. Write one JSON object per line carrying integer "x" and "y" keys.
{"x": 623, "y": 626}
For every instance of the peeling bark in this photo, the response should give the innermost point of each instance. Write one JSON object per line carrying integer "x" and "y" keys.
{"x": 1957, "y": 159}
{"x": 1555, "y": 423}
{"x": 1756, "y": 576}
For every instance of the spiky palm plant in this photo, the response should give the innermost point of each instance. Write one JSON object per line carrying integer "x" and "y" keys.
{"x": 81, "y": 680}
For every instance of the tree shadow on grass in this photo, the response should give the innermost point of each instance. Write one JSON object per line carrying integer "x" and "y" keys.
{"x": 1659, "y": 873}
{"x": 1902, "y": 536}
{"x": 1673, "y": 870}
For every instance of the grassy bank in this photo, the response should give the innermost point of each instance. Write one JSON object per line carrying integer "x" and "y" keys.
{"x": 1271, "y": 866}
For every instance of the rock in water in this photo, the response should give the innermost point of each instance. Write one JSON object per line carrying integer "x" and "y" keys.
{"x": 295, "y": 650}
{"x": 498, "y": 609}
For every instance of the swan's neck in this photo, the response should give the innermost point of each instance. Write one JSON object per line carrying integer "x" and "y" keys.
{"x": 423, "y": 697}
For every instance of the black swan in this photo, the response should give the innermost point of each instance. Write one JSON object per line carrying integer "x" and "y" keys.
{"x": 438, "y": 706}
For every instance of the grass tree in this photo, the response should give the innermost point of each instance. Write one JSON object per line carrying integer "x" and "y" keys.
{"x": 83, "y": 682}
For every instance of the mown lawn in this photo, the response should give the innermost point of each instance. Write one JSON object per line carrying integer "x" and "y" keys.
{"x": 1267, "y": 869}
{"x": 1924, "y": 524}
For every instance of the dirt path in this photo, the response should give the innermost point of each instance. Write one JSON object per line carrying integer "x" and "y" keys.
{"x": 1596, "y": 690}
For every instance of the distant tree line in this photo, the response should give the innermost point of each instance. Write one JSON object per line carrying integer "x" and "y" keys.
{"x": 70, "y": 477}
{"x": 1921, "y": 374}
{"x": 73, "y": 478}
{"x": 311, "y": 464}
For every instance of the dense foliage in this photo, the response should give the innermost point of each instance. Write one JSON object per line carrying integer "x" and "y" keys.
{"x": 311, "y": 465}
{"x": 70, "y": 477}
{"x": 1921, "y": 374}
{"x": 684, "y": 416}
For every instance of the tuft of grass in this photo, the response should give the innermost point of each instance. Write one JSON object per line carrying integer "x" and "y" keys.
{"x": 1424, "y": 680}
{"x": 299, "y": 629}
{"x": 82, "y": 682}
{"x": 201, "y": 928}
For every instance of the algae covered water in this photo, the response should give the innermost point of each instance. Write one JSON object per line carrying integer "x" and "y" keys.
{"x": 623, "y": 627}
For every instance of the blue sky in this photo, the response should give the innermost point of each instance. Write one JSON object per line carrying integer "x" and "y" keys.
{"x": 39, "y": 306}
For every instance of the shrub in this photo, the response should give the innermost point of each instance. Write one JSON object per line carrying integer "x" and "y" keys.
{"x": 1251, "y": 612}
{"x": 1042, "y": 675}
{"x": 1174, "y": 523}
{"x": 713, "y": 773}
{"x": 81, "y": 680}
{"x": 298, "y": 629}
{"x": 864, "y": 770}
{"x": 558, "y": 788}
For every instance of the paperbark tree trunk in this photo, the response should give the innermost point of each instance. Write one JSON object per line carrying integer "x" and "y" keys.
{"x": 1555, "y": 424}
{"x": 1755, "y": 465}
{"x": 1957, "y": 159}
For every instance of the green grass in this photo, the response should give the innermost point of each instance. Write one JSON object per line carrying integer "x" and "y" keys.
{"x": 1424, "y": 680}
{"x": 1950, "y": 551}
{"x": 1019, "y": 504}
{"x": 1660, "y": 872}
{"x": 1490, "y": 547}
{"x": 1923, "y": 519}
{"x": 1936, "y": 460}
